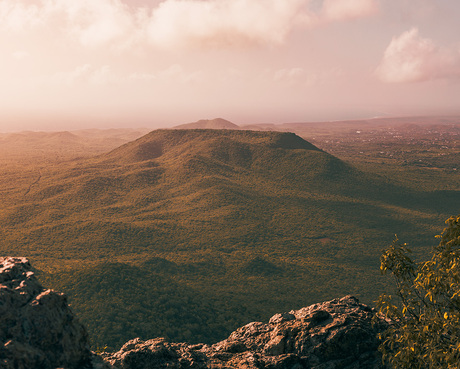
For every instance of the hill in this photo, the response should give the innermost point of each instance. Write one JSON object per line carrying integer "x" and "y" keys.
{"x": 216, "y": 123}
{"x": 49, "y": 147}
{"x": 188, "y": 234}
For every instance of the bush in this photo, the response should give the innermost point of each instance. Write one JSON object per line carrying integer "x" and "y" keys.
{"x": 425, "y": 330}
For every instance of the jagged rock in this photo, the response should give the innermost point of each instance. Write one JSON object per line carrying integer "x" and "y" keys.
{"x": 157, "y": 353}
{"x": 37, "y": 328}
{"x": 38, "y": 331}
{"x": 331, "y": 335}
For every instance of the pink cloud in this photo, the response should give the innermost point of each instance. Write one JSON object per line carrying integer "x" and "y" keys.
{"x": 335, "y": 10}
{"x": 224, "y": 22}
{"x": 411, "y": 58}
{"x": 174, "y": 73}
{"x": 97, "y": 22}
{"x": 241, "y": 22}
{"x": 16, "y": 16}
{"x": 91, "y": 22}
{"x": 176, "y": 23}
{"x": 85, "y": 74}
{"x": 171, "y": 23}
{"x": 20, "y": 55}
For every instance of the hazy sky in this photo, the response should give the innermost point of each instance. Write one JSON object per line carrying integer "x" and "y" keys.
{"x": 71, "y": 63}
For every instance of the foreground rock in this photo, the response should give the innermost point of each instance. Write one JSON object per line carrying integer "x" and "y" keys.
{"x": 38, "y": 331}
{"x": 333, "y": 334}
{"x": 37, "y": 328}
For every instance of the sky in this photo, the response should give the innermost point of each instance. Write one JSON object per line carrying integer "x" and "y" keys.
{"x": 68, "y": 64}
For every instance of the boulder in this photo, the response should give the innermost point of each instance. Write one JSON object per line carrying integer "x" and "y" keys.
{"x": 333, "y": 334}
{"x": 37, "y": 328}
{"x": 39, "y": 331}
{"x": 157, "y": 353}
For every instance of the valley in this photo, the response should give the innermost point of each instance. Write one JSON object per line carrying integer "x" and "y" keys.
{"x": 188, "y": 234}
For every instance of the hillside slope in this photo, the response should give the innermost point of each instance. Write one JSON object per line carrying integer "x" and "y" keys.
{"x": 208, "y": 229}
{"x": 49, "y": 147}
{"x": 216, "y": 123}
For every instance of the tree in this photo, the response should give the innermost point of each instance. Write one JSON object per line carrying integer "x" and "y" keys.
{"x": 425, "y": 319}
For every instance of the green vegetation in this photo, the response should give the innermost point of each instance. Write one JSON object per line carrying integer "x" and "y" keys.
{"x": 426, "y": 324}
{"x": 190, "y": 234}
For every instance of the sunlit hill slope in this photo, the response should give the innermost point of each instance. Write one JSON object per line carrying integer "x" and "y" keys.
{"x": 190, "y": 233}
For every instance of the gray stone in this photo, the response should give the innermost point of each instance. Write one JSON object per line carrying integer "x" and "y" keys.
{"x": 37, "y": 328}
{"x": 39, "y": 331}
{"x": 334, "y": 334}
{"x": 157, "y": 354}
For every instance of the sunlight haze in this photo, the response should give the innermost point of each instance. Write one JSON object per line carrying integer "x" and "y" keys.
{"x": 111, "y": 63}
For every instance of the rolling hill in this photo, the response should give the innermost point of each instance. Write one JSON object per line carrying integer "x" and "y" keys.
{"x": 50, "y": 147}
{"x": 216, "y": 123}
{"x": 190, "y": 233}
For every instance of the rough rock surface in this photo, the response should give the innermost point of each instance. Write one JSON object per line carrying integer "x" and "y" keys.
{"x": 37, "y": 328}
{"x": 334, "y": 334}
{"x": 39, "y": 331}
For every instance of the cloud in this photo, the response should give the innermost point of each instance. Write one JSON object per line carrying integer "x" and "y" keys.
{"x": 411, "y": 58}
{"x": 87, "y": 74}
{"x": 292, "y": 76}
{"x": 224, "y": 22}
{"x": 84, "y": 74}
{"x": 20, "y": 55}
{"x": 170, "y": 24}
{"x": 174, "y": 73}
{"x": 175, "y": 23}
{"x": 91, "y": 22}
{"x": 220, "y": 23}
{"x": 299, "y": 77}
{"x": 97, "y": 22}
{"x": 339, "y": 10}
{"x": 16, "y": 16}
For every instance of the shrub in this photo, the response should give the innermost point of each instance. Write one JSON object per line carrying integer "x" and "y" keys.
{"x": 425, "y": 330}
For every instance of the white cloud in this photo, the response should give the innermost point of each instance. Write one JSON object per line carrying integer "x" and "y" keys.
{"x": 174, "y": 73}
{"x": 336, "y": 10}
{"x": 102, "y": 76}
{"x": 300, "y": 77}
{"x": 20, "y": 55}
{"x": 174, "y": 23}
{"x": 85, "y": 74}
{"x": 91, "y": 22}
{"x": 97, "y": 22}
{"x": 223, "y": 22}
{"x": 16, "y": 16}
{"x": 411, "y": 58}
{"x": 142, "y": 77}
{"x": 290, "y": 75}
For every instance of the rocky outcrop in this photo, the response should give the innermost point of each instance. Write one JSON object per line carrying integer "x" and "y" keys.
{"x": 39, "y": 331}
{"x": 37, "y": 328}
{"x": 333, "y": 334}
